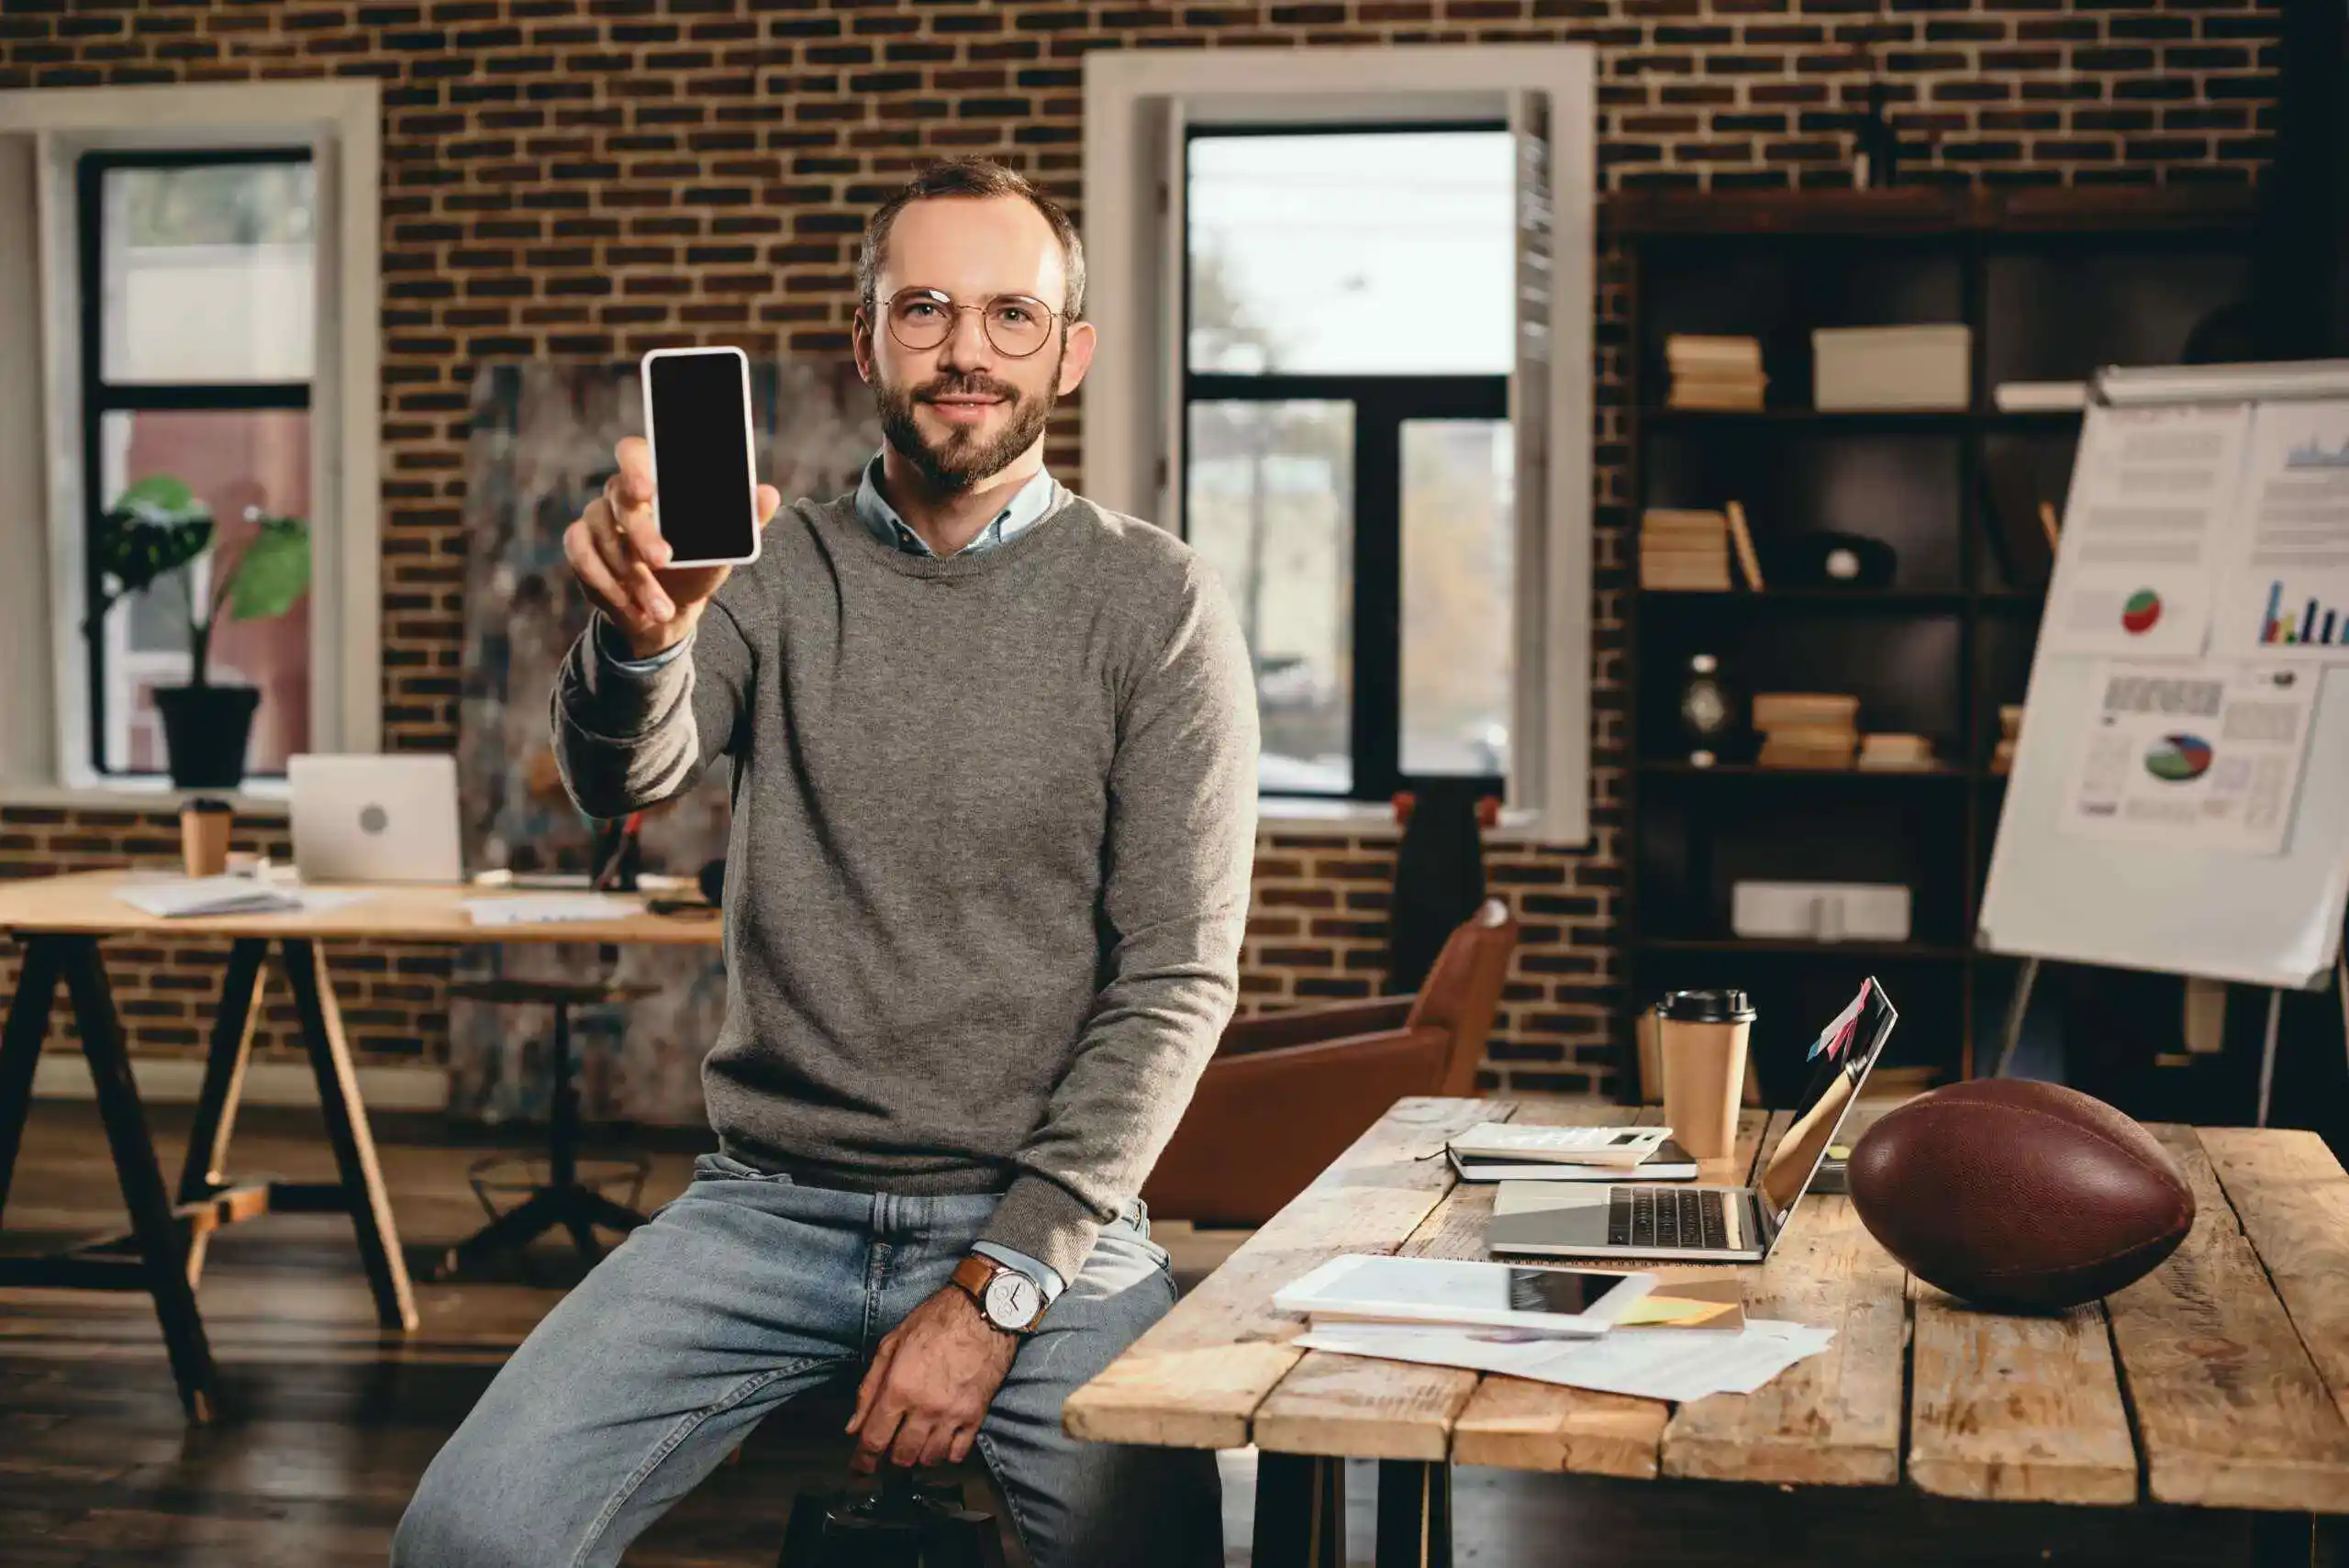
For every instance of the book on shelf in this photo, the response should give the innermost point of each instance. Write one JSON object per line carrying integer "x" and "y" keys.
{"x": 1781, "y": 710}
{"x": 1742, "y": 537}
{"x": 1887, "y": 751}
{"x": 2039, "y": 397}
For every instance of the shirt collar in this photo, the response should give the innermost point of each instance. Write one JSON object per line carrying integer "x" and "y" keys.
{"x": 1034, "y": 501}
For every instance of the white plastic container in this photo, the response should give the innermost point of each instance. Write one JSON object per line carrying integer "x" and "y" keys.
{"x": 1820, "y": 911}
{"x": 1860, "y": 368}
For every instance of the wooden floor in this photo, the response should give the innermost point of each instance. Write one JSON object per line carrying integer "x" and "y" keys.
{"x": 332, "y": 1422}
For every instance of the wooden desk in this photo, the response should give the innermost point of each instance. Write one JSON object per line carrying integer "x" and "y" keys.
{"x": 61, "y": 921}
{"x": 2234, "y": 1356}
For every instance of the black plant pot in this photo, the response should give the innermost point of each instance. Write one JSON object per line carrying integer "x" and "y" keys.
{"x": 205, "y": 729}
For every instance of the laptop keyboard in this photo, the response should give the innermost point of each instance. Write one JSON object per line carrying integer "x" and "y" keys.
{"x": 1667, "y": 1219}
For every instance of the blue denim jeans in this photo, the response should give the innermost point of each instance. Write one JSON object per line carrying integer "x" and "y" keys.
{"x": 747, "y": 1290}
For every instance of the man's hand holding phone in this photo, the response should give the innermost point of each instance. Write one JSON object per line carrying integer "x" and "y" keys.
{"x": 617, "y": 552}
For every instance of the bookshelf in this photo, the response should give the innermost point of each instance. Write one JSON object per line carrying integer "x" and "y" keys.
{"x": 2053, "y": 283}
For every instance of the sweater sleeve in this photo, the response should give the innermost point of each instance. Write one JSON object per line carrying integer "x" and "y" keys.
{"x": 629, "y": 734}
{"x": 1181, "y": 838}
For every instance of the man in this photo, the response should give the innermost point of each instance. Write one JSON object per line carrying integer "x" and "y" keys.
{"x": 994, "y": 788}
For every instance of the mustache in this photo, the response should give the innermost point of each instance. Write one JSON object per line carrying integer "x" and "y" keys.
{"x": 965, "y": 386}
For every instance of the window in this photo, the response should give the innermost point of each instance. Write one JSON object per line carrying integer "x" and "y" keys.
{"x": 190, "y": 282}
{"x": 1345, "y": 305}
{"x": 1348, "y": 462}
{"x": 199, "y": 309}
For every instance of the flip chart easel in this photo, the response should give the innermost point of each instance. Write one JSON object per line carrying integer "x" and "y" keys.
{"x": 2272, "y": 920}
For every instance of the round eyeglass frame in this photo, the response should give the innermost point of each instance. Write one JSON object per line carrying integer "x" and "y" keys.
{"x": 947, "y": 302}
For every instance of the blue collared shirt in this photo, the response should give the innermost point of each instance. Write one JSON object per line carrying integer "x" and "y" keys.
{"x": 1035, "y": 501}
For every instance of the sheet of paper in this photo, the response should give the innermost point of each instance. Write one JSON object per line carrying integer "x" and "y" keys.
{"x": 533, "y": 909}
{"x": 1648, "y": 1364}
{"x": 2203, "y": 756}
{"x": 2287, "y": 593}
{"x": 2152, "y": 491}
{"x": 181, "y": 897}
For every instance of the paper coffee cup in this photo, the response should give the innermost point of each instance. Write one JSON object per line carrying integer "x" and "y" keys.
{"x": 1700, "y": 1037}
{"x": 204, "y": 836}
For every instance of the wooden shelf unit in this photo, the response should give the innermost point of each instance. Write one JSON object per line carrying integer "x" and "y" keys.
{"x": 2054, "y": 285}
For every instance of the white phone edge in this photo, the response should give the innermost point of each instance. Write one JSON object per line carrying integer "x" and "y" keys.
{"x": 749, "y": 455}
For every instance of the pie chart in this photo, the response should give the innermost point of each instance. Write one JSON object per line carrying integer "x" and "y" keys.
{"x": 2144, "y": 608}
{"x": 2178, "y": 758}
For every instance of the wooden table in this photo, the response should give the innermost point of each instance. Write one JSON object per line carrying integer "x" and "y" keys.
{"x": 2220, "y": 1381}
{"x": 61, "y": 922}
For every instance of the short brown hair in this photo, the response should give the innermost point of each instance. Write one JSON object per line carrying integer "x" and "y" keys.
{"x": 975, "y": 177}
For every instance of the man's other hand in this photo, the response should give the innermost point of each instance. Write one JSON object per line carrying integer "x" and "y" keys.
{"x": 929, "y": 1384}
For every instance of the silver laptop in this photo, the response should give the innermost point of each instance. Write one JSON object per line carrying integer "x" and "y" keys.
{"x": 387, "y": 817}
{"x": 1706, "y": 1224}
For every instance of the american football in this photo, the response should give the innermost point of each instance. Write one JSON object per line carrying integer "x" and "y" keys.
{"x": 2019, "y": 1194}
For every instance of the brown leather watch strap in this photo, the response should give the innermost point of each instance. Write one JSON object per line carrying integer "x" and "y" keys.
{"x": 972, "y": 1274}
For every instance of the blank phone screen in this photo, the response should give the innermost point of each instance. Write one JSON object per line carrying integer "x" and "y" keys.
{"x": 701, "y": 473}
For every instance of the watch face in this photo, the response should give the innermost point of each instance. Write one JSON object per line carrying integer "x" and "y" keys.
{"x": 1013, "y": 1301}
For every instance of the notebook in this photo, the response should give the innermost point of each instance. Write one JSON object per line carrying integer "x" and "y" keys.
{"x": 1670, "y": 1162}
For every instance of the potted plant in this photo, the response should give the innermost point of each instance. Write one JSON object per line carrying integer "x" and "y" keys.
{"x": 158, "y": 527}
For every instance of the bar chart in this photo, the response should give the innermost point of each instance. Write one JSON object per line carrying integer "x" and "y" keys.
{"x": 2307, "y": 622}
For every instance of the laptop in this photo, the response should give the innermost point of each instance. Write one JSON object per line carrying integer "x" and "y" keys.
{"x": 1706, "y": 1224}
{"x": 385, "y": 817}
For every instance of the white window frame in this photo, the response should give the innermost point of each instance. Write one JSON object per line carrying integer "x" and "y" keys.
{"x": 44, "y": 726}
{"x": 1137, "y": 106}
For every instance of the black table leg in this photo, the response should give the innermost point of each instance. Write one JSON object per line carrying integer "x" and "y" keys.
{"x": 2299, "y": 1540}
{"x": 20, "y": 1048}
{"x": 1414, "y": 1514}
{"x": 1300, "y": 1511}
{"x": 206, "y": 1171}
{"x": 347, "y": 1130}
{"x": 162, "y": 1253}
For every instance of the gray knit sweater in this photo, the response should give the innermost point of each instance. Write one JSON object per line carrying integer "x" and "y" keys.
{"x": 988, "y": 870}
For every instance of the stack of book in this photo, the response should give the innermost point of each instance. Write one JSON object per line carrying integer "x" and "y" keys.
{"x": 2002, "y": 756}
{"x": 1505, "y": 1151}
{"x": 1714, "y": 372}
{"x": 1886, "y": 752}
{"x": 1807, "y": 729}
{"x": 1683, "y": 550}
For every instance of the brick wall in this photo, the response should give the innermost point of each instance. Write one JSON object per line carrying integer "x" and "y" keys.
{"x": 592, "y": 178}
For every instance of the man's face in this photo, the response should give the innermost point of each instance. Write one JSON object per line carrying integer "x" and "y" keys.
{"x": 964, "y": 410}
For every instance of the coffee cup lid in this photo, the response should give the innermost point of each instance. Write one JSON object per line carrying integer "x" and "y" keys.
{"x": 206, "y": 805}
{"x": 1707, "y": 1007}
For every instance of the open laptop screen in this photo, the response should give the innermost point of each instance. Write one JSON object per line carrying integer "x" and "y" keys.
{"x": 1841, "y": 1058}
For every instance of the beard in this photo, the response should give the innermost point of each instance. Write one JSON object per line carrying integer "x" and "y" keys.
{"x": 961, "y": 459}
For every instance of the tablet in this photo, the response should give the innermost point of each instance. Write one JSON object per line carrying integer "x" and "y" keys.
{"x": 1435, "y": 1290}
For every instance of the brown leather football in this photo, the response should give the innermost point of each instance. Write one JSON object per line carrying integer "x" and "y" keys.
{"x": 2019, "y": 1194}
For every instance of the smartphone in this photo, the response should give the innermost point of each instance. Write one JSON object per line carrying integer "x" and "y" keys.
{"x": 705, "y": 476}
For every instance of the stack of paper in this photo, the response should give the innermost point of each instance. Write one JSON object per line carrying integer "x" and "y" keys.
{"x": 1807, "y": 729}
{"x": 532, "y": 909}
{"x": 1683, "y": 550}
{"x": 1647, "y": 1363}
{"x": 1714, "y": 372}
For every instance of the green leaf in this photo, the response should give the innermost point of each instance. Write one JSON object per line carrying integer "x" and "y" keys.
{"x": 161, "y": 498}
{"x": 273, "y": 571}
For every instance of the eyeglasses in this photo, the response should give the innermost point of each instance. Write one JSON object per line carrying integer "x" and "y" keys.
{"x": 1017, "y": 324}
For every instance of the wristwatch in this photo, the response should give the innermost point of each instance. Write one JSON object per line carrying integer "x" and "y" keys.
{"x": 1006, "y": 1297}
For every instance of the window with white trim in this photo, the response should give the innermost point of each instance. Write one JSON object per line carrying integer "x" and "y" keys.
{"x": 189, "y": 290}
{"x": 1345, "y": 299}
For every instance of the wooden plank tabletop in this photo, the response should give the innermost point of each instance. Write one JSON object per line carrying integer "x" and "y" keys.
{"x": 2231, "y": 1411}
{"x": 85, "y": 903}
{"x": 2233, "y": 1356}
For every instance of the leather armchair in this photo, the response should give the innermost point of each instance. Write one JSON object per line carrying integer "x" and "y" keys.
{"x": 1287, "y": 1092}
